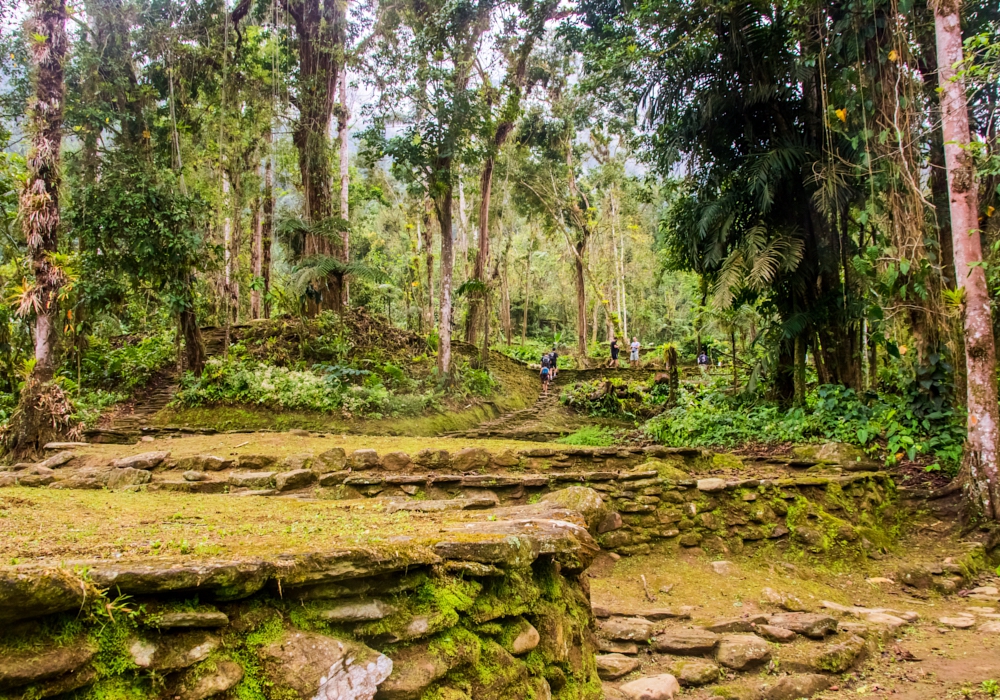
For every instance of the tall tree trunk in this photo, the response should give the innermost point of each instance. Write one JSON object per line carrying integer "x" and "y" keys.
{"x": 257, "y": 226}
{"x": 320, "y": 31}
{"x": 267, "y": 228}
{"x": 343, "y": 115}
{"x": 444, "y": 205}
{"x": 581, "y": 302}
{"x": 476, "y": 300}
{"x": 980, "y": 458}
{"x": 425, "y": 235}
{"x": 799, "y": 370}
{"x": 39, "y": 206}
{"x": 505, "y": 320}
{"x": 527, "y": 295}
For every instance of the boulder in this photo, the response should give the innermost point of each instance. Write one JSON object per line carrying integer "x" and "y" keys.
{"x": 890, "y": 622}
{"x": 612, "y": 666}
{"x": 333, "y": 460}
{"x": 417, "y": 666}
{"x": 470, "y": 459}
{"x": 626, "y": 628}
{"x": 356, "y": 610}
{"x": 254, "y": 480}
{"x": 796, "y": 687}
{"x": 204, "y": 463}
{"x": 686, "y": 642}
{"x": 433, "y": 459}
{"x": 201, "y": 683}
{"x": 661, "y": 687}
{"x": 610, "y": 522}
{"x": 146, "y": 460}
{"x": 694, "y": 672}
{"x": 311, "y": 666}
{"x": 742, "y": 652}
{"x": 295, "y": 479}
{"x": 916, "y": 576}
{"x": 743, "y": 625}
{"x": 396, "y": 461}
{"x": 57, "y": 460}
{"x": 849, "y": 457}
{"x": 585, "y": 501}
{"x": 711, "y": 485}
{"x": 814, "y": 625}
{"x": 297, "y": 462}
{"x": 19, "y": 668}
{"x": 835, "y": 657}
{"x": 128, "y": 476}
{"x": 359, "y": 460}
{"x": 959, "y": 623}
{"x": 776, "y": 634}
{"x": 195, "y": 619}
{"x": 520, "y": 637}
{"x": 192, "y": 475}
{"x": 256, "y": 462}
{"x": 172, "y": 652}
{"x": 785, "y": 601}
{"x": 29, "y": 593}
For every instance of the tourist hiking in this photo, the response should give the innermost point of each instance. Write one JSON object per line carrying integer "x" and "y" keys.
{"x": 634, "y": 351}
{"x": 546, "y": 376}
{"x": 613, "y": 346}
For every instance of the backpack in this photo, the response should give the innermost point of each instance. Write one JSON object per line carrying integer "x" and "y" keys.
{"x": 545, "y": 372}
{"x": 546, "y": 361}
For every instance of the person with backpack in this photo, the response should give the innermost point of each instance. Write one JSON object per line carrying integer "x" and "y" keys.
{"x": 555, "y": 362}
{"x": 546, "y": 373}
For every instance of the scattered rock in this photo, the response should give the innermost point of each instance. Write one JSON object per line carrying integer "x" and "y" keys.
{"x": 357, "y": 610}
{"x": 332, "y": 460}
{"x": 694, "y": 672}
{"x": 916, "y": 576}
{"x": 776, "y": 634}
{"x": 796, "y": 687}
{"x": 306, "y": 665}
{"x": 64, "y": 445}
{"x": 295, "y": 479}
{"x": 742, "y": 652}
{"x": 57, "y": 460}
{"x": 128, "y": 476}
{"x": 959, "y": 623}
{"x": 686, "y": 642}
{"x": 18, "y": 668}
{"x": 661, "y": 687}
{"x": 711, "y": 485}
{"x": 612, "y": 666}
{"x": 626, "y": 628}
{"x": 192, "y": 475}
{"x": 879, "y": 581}
{"x": 172, "y": 652}
{"x": 585, "y": 501}
{"x": 785, "y": 601}
{"x": 433, "y": 459}
{"x": 198, "y": 684}
{"x": 992, "y": 627}
{"x": 850, "y": 457}
{"x": 610, "y": 522}
{"x": 361, "y": 460}
{"x": 815, "y": 625}
{"x": 886, "y": 620}
{"x": 723, "y": 568}
{"x": 146, "y": 460}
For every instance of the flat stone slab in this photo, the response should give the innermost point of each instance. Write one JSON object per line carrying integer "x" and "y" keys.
{"x": 442, "y": 505}
{"x": 175, "y": 620}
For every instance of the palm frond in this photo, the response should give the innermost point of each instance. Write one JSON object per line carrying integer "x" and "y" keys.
{"x": 316, "y": 268}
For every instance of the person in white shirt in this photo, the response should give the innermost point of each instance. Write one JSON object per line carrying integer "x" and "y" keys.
{"x": 634, "y": 354}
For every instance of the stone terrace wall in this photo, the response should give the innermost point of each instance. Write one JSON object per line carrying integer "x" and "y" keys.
{"x": 489, "y": 610}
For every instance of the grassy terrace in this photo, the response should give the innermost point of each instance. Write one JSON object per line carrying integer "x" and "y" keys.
{"x": 283, "y": 444}
{"x": 42, "y": 524}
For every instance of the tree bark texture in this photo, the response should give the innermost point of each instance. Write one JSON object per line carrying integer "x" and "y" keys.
{"x": 320, "y": 32}
{"x": 343, "y": 115}
{"x": 980, "y": 355}
{"x": 443, "y": 205}
{"x": 581, "y": 300}
{"x": 39, "y": 206}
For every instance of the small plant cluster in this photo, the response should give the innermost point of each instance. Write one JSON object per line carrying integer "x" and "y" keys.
{"x": 379, "y": 391}
{"x": 913, "y": 423}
